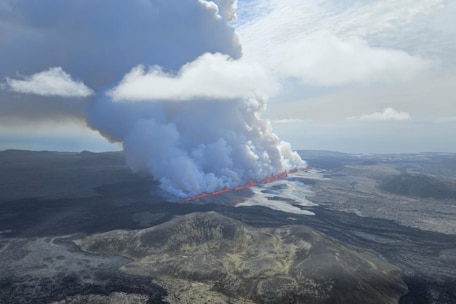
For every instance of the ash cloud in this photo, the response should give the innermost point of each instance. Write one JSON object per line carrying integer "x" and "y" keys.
{"x": 196, "y": 146}
{"x": 99, "y": 42}
{"x": 199, "y": 135}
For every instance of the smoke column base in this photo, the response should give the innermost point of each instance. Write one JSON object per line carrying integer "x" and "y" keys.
{"x": 250, "y": 183}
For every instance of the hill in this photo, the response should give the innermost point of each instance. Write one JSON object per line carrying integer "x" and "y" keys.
{"x": 290, "y": 264}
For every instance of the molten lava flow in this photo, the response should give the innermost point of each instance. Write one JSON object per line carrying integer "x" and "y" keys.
{"x": 250, "y": 183}
{"x": 274, "y": 178}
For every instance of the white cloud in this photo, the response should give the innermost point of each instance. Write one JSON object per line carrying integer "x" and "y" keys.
{"x": 387, "y": 114}
{"x": 52, "y": 82}
{"x": 326, "y": 60}
{"x": 328, "y": 43}
{"x": 209, "y": 76}
{"x": 283, "y": 20}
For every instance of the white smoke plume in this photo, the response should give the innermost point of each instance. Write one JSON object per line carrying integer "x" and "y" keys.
{"x": 168, "y": 84}
{"x": 196, "y": 146}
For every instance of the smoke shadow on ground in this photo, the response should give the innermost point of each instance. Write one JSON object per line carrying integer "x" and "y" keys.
{"x": 123, "y": 205}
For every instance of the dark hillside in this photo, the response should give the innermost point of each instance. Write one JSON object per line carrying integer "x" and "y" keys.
{"x": 418, "y": 185}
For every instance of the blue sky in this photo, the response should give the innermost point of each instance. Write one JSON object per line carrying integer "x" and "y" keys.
{"x": 353, "y": 76}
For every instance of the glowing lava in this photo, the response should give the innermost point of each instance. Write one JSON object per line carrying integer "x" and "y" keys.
{"x": 250, "y": 183}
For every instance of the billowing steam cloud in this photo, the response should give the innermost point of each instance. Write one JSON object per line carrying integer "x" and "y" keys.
{"x": 195, "y": 146}
{"x": 168, "y": 84}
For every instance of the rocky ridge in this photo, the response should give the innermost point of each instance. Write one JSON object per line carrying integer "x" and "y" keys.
{"x": 243, "y": 264}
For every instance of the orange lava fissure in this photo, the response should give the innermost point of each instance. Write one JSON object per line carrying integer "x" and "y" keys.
{"x": 250, "y": 183}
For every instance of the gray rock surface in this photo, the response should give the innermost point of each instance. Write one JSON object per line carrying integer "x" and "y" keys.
{"x": 115, "y": 297}
{"x": 289, "y": 264}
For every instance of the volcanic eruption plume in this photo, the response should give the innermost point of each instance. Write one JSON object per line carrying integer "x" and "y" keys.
{"x": 197, "y": 146}
{"x": 167, "y": 80}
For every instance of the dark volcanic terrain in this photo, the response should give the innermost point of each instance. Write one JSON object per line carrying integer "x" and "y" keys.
{"x": 138, "y": 248}
{"x": 417, "y": 190}
{"x": 265, "y": 265}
